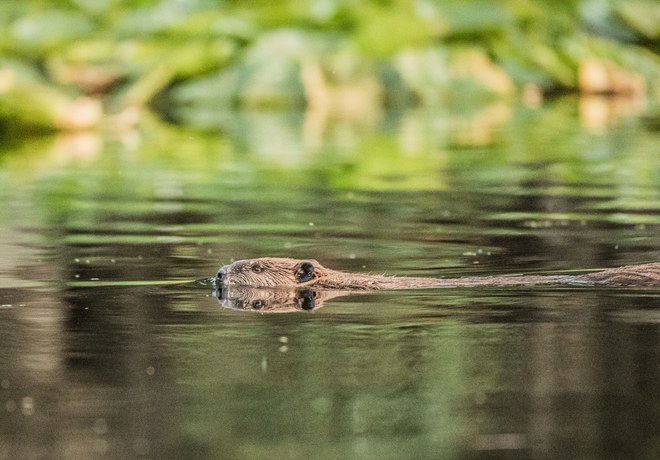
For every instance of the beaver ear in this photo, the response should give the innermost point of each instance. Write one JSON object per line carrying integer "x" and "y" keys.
{"x": 304, "y": 272}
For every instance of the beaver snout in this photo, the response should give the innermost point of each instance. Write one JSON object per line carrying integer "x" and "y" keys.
{"x": 221, "y": 276}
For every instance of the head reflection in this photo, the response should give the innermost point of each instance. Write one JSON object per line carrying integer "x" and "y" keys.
{"x": 268, "y": 300}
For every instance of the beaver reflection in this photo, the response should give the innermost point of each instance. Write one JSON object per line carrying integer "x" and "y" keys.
{"x": 266, "y": 300}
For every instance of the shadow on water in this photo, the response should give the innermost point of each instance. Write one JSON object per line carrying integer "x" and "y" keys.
{"x": 110, "y": 352}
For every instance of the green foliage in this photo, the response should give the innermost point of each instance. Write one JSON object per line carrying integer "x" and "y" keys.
{"x": 642, "y": 16}
{"x": 149, "y": 52}
{"x": 382, "y": 30}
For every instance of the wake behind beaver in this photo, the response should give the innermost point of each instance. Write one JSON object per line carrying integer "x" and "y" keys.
{"x": 271, "y": 272}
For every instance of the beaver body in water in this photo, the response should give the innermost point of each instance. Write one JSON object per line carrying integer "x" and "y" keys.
{"x": 271, "y": 272}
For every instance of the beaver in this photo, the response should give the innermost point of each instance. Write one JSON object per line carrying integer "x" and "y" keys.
{"x": 270, "y": 272}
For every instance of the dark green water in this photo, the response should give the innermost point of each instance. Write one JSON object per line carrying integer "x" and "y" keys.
{"x": 109, "y": 352}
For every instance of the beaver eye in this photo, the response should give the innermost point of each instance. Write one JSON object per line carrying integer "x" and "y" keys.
{"x": 257, "y": 268}
{"x": 258, "y": 304}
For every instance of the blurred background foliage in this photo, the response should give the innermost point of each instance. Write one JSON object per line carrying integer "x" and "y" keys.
{"x": 103, "y": 64}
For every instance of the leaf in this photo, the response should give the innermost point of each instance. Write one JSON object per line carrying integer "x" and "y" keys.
{"x": 51, "y": 28}
{"x": 642, "y": 16}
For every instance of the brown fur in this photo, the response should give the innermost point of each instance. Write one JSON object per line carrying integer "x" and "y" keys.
{"x": 270, "y": 272}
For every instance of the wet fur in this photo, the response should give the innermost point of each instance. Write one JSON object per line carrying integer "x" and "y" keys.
{"x": 291, "y": 273}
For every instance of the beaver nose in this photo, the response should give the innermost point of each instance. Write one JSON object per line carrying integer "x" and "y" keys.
{"x": 221, "y": 275}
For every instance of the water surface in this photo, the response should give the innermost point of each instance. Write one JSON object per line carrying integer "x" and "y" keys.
{"x": 110, "y": 350}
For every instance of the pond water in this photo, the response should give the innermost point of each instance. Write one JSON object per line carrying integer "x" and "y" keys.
{"x": 111, "y": 349}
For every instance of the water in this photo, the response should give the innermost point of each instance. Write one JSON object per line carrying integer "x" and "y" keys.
{"x": 112, "y": 350}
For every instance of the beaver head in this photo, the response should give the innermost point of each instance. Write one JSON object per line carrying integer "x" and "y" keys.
{"x": 270, "y": 272}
